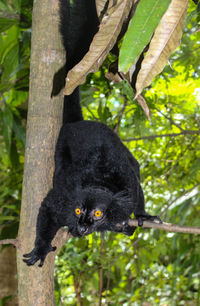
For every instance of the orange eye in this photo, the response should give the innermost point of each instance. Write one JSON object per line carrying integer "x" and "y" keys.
{"x": 78, "y": 211}
{"x": 98, "y": 213}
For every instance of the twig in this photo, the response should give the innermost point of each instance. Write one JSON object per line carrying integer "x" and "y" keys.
{"x": 15, "y": 242}
{"x": 180, "y": 156}
{"x": 185, "y": 132}
{"x": 116, "y": 129}
{"x": 176, "y": 199}
{"x": 170, "y": 119}
{"x": 62, "y": 236}
{"x": 101, "y": 272}
{"x": 89, "y": 110}
{"x": 166, "y": 227}
{"x": 77, "y": 288}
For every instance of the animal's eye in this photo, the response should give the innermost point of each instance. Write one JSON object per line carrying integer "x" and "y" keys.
{"x": 78, "y": 211}
{"x": 98, "y": 213}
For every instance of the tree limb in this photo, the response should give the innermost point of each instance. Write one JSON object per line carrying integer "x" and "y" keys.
{"x": 116, "y": 129}
{"x": 166, "y": 227}
{"x": 15, "y": 242}
{"x": 185, "y": 132}
{"x": 101, "y": 272}
{"x": 63, "y": 235}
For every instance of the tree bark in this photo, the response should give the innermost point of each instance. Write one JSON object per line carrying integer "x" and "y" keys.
{"x": 36, "y": 285}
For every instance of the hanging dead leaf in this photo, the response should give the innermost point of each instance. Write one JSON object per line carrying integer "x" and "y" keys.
{"x": 141, "y": 100}
{"x": 116, "y": 78}
{"x": 102, "y": 43}
{"x": 100, "y": 5}
{"x": 166, "y": 39}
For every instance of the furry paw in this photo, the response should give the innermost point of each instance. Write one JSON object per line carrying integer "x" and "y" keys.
{"x": 147, "y": 217}
{"x": 127, "y": 229}
{"x": 36, "y": 254}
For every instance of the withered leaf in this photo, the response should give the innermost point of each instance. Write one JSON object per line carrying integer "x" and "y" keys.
{"x": 102, "y": 43}
{"x": 141, "y": 100}
{"x": 165, "y": 40}
{"x": 100, "y": 4}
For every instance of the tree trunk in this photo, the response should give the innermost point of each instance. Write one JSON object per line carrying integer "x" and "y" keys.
{"x": 36, "y": 285}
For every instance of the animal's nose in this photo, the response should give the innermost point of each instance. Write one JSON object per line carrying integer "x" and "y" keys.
{"x": 82, "y": 229}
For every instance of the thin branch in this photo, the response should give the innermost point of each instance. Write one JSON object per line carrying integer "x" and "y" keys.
{"x": 186, "y": 132}
{"x": 116, "y": 129}
{"x": 176, "y": 199}
{"x": 166, "y": 227}
{"x": 15, "y": 242}
{"x": 170, "y": 119}
{"x": 89, "y": 110}
{"x": 180, "y": 156}
{"x": 77, "y": 289}
{"x": 61, "y": 238}
{"x": 101, "y": 272}
{"x": 185, "y": 55}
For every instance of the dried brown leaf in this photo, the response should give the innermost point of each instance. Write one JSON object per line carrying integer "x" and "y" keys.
{"x": 100, "y": 4}
{"x": 141, "y": 100}
{"x": 116, "y": 78}
{"x": 166, "y": 39}
{"x": 102, "y": 43}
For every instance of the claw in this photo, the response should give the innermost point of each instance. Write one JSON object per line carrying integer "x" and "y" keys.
{"x": 29, "y": 254}
{"x": 140, "y": 221}
{"x": 147, "y": 217}
{"x": 41, "y": 262}
{"x": 38, "y": 254}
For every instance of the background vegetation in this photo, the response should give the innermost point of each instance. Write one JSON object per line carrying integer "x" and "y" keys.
{"x": 152, "y": 267}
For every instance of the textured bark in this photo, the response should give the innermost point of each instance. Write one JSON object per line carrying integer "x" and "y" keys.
{"x": 8, "y": 275}
{"x": 36, "y": 285}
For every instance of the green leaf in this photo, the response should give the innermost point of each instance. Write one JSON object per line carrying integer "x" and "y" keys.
{"x": 140, "y": 31}
{"x": 14, "y": 157}
{"x": 9, "y": 230}
{"x": 10, "y": 62}
{"x": 6, "y": 218}
{"x": 7, "y": 127}
{"x": 99, "y": 111}
{"x": 125, "y": 89}
{"x": 19, "y": 130}
{"x": 6, "y": 23}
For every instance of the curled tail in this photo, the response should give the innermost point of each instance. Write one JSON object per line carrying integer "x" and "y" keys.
{"x": 78, "y": 25}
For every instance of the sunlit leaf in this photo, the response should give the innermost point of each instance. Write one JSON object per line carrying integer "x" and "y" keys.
{"x": 140, "y": 31}
{"x": 6, "y": 23}
{"x": 102, "y": 43}
{"x": 165, "y": 40}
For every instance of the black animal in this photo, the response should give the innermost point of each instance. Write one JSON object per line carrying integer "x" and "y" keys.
{"x": 96, "y": 182}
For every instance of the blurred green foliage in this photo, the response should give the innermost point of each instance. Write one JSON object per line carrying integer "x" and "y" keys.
{"x": 152, "y": 267}
{"x": 15, "y": 35}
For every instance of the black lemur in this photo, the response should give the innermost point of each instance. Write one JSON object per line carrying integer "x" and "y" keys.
{"x": 96, "y": 182}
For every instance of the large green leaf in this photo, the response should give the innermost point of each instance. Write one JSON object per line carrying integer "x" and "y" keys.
{"x": 140, "y": 31}
{"x": 7, "y": 127}
{"x": 19, "y": 130}
{"x": 6, "y": 23}
{"x": 11, "y": 61}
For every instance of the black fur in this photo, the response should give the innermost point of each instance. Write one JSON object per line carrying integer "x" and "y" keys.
{"x": 93, "y": 169}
